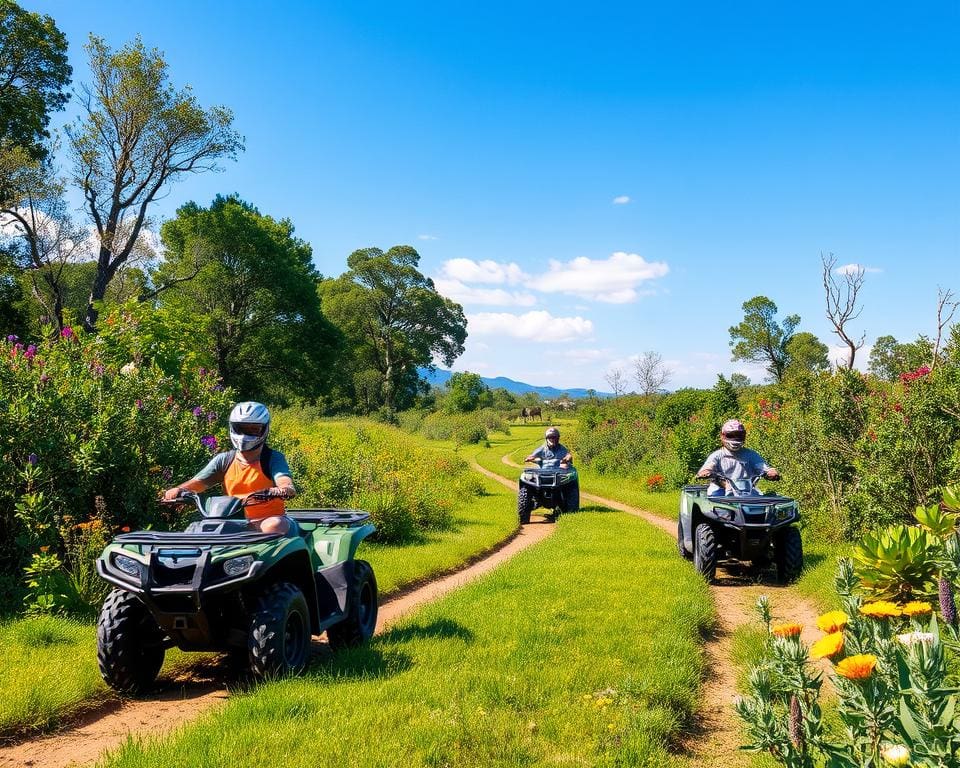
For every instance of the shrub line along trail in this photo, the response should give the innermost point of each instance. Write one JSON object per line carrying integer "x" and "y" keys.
{"x": 714, "y": 739}
{"x": 110, "y": 724}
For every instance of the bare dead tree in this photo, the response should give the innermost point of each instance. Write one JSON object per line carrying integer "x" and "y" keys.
{"x": 842, "y": 301}
{"x": 651, "y": 373}
{"x": 946, "y": 309}
{"x": 616, "y": 379}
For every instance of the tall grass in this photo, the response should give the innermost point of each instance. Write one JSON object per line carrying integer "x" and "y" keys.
{"x": 581, "y": 651}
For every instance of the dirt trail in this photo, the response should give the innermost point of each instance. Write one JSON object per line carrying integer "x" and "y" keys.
{"x": 715, "y": 740}
{"x": 186, "y": 697}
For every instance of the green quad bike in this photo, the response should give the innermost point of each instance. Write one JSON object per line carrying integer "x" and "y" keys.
{"x": 746, "y": 525}
{"x": 556, "y": 489}
{"x": 222, "y": 586}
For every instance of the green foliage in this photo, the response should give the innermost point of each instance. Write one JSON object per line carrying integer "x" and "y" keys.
{"x": 889, "y": 358}
{"x": 806, "y": 354}
{"x": 34, "y": 75}
{"x": 460, "y": 428}
{"x": 91, "y": 429}
{"x": 760, "y": 338}
{"x": 466, "y": 392}
{"x": 253, "y": 297}
{"x": 896, "y": 563}
{"x": 394, "y": 321}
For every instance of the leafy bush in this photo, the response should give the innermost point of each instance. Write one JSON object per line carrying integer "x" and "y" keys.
{"x": 407, "y": 490}
{"x": 461, "y": 428}
{"x": 91, "y": 429}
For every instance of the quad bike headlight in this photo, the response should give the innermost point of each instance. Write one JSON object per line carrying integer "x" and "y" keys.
{"x": 126, "y": 564}
{"x": 238, "y": 566}
{"x": 783, "y": 511}
{"x": 529, "y": 476}
{"x": 725, "y": 513}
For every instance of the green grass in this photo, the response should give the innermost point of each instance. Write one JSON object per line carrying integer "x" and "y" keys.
{"x": 584, "y": 650}
{"x": 48, "y": 670}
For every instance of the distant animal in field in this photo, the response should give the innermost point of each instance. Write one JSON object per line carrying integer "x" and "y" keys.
{"x": 529, "y": 413}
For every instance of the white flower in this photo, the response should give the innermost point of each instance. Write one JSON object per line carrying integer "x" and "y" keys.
{"x": 896, "y": 754}
{"x": 129, "y": 368}
{"x": 916, "y": 638}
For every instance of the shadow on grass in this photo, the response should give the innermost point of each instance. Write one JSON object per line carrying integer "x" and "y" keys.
{"x": 443, "y": 629}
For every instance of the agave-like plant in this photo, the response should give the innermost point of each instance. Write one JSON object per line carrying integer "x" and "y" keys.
{"x": 938, "y": 520}
{"x": 897, "y": 563}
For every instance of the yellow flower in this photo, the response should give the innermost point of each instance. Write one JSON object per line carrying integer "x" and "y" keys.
{"x": 827, "y": 646}
{"x": 791, "y": 629}
{"x": 916, "y": 608}
{"x": 833, "y": 621}
{"x": 858, "y": 667}
{"x": 881, "y": 609}
{"x": 896, "y": 754}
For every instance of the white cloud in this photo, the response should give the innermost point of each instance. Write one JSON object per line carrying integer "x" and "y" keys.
{"x": 621, "y": 200}
{"x": 852, "y": 269}
{"x": 840, "y": 354}
{"x": 538, "y": 325}
{"x": 497, "y": 297}
{"x": 427, "y": 237}
{"x": 486, "y": 271}
{"x": 614, "y": 280}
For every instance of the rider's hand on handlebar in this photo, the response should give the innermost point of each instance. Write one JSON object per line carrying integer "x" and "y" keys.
{"x": 172, "y": 494}
{"x": 771, "y": 474}
{"x": 281, "y": 493}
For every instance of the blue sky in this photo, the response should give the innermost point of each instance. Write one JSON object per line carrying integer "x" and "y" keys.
{"x": 591, "y": 181}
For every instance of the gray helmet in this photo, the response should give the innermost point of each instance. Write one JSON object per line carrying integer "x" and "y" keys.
{"x": 552, "y": 432}
{"x": 249, "y": 425}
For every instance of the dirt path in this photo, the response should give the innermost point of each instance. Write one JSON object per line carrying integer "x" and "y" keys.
{"x": 208, "y": 685}
{"x": 715, "y": 741}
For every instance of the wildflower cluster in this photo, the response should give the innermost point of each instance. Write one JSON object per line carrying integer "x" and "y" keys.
{"x": 889, "y": 667}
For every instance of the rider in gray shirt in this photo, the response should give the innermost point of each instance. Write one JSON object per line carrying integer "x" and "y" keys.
{"x": 551, "y": 454}
{"x": 733, "y": 460}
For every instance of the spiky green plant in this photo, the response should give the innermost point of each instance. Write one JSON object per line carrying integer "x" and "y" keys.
{"x": 897, "y": 563}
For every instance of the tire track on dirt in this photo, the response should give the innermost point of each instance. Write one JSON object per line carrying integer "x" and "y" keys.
{"x": 714, "y": 736}
{"x": 207, "y": 685}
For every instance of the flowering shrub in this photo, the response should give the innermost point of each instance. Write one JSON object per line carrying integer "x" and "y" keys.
{"x": 91, "y": 429}
{"x": 461, "y": 428}
{"x": 891, "y": 670}
{"x": 407, "y": 490}
{"x": 655, "y": 483}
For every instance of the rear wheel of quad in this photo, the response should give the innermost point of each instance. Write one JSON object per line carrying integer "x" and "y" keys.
{"x": 524, "y": 505}
{"x": 129, "y": 643}
{"x": 705, "y": 552}
{"x": 279, "y": 638}
{"x": 680, "y": 548}
{"x": 788, "y": 551}
{"x": 361, "y": 618}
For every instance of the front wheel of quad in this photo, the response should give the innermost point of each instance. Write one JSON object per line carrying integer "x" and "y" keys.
{"x": 788, "y": 552}
{"x": 524, "y": 505}
{"x": 130, "y": 645}
{"x": 279, "y": 638}
{"x": 705, "y": 552}
{"x": 572, "y": 498}
{"x": 361, "y": 618}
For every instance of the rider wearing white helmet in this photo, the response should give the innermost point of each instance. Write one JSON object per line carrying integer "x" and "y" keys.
{"x": 251, "y": 466}
{"x": 551, "y": 454}
{"x": 733, "y": 460}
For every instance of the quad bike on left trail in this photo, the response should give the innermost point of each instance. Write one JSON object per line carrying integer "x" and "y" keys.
{"x": 223, "y": 586}
{"x": 556, "y": 489}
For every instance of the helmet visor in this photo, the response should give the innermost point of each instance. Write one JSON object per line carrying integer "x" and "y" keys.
{"x": 248, "y": 428}
{"x": 737, "y": 434}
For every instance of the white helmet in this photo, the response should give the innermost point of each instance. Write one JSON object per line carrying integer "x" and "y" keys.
{"x": 249, "y": 425}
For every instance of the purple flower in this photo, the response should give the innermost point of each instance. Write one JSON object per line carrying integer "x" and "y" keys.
{"x": 211, "y": 417}
{"x": 12, "y": 338}
{"x": 30, "y": 352}
{"x": 32, "y": 459}
{"x": 167, "y": 474}
{"x": 209, "y": 442}
{"x": 198, "y": 411}
{"x": 44, "y": 378}
{"x": 97, "y": 369}
{"x": 67, "y": 332}
{"x": 139, "y": 404}
{"x": 218, "y": 387}
{"x": 202, "y": 372}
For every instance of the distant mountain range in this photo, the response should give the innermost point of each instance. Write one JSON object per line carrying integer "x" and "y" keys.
{"x": 439, "y": 377}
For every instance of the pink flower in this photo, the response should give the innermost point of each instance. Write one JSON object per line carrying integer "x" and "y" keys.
{"x": 67, "y": 332}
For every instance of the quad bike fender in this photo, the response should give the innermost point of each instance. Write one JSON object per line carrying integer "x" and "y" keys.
{"x": 357, "y": 535}
{"x": 295, "y": 568}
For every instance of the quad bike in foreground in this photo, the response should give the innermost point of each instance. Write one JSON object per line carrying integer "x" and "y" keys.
{"x": 743, "y": 525}
{"x": 222, "y": 586}
{"x": 555, "y": 489}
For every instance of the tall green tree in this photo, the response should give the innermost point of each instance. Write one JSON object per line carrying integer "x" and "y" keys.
{"x": 394, "y": 319}
{"x": 761, "y": 338}
{"x": 466, "y": 392}
{"x": 137, "y": 135}
{"x": 805, "y": 352}
{"x": 889, "y": 358}
{"x": 253, "y": 297}
{"x": 34, "y": 75}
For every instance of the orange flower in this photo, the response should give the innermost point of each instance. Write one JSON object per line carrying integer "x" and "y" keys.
{"x": 45, "y": 548}
{"x": 881, "y": 609}
{"x": 791, "y": 629}
{"x": 858, "y": 667}
{"x": 834, "y": 621}
{"x": 827, "y": 646}
{"x": 916, "y": 608}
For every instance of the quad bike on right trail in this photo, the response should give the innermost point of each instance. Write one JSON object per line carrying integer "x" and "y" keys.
{"x": 743, "y": 524}
{"x": 556, "y": 489}
{"x": 221, "y": 585}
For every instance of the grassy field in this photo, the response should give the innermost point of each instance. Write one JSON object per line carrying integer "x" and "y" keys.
{"x": 48, "y": 670}
{"x": 584, "y": 650}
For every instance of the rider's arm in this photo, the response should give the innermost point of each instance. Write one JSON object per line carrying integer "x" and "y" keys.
{"x": 209, "y": 476}
{"x": 280, "y": 472}
{"x": 537, "y": 453}
{"x": 710, "y": 466}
